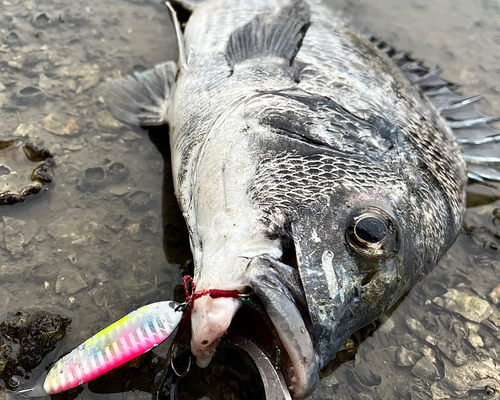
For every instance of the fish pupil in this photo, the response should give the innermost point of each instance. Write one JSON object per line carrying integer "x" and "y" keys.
{"x": 370, "y": 230}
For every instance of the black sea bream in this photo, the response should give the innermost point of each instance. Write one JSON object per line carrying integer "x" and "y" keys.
{"x": 312, "y": 166}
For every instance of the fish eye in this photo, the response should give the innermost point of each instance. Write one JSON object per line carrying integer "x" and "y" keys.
{"x": 370, "y": 230}
{"x": 372, "y": 233}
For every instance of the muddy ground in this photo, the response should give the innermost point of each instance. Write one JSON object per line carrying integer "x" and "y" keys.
{"x": 106, "y": 237}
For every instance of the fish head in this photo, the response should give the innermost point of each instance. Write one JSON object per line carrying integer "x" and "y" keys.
{"x": 362, "y": 212}
{"x": 356, "y": 209}
{"x": 350, "y": 253}
{"x": 354, "y": 261}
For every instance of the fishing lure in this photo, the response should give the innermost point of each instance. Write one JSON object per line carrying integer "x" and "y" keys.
{"x": 128, "y": 338}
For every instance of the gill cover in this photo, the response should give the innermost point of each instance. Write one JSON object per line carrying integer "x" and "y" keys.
{"x": 350, "y": 275}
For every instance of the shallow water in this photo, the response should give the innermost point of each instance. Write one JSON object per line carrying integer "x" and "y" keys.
{"x": 109, "y": 221}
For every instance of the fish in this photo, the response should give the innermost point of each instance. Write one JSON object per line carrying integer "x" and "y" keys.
{"x": 317, "y": 168}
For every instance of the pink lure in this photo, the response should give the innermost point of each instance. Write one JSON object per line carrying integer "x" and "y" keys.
{"x": 128, "y": 338}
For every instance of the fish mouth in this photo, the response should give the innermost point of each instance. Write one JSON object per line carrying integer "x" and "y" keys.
{"x": 277, "y": 318}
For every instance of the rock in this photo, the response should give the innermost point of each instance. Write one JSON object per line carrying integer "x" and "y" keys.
{"x": 2, "y": 87}
{"x": 134, "y": 230}
{"x": 13, "y": 241}
{"x": 106, "y": 121}
{"x": 470, "y": 307}
{"x": 90, "y": 78}
{"x": 495, "y": 295}
{"x": 92, "y": 181}
{"x": 61, "y": 229}
{"x": 139, "y": 293}
{"x": 25, "y": 339}
{"x": 70, "y": 85}
{"x": 474, "y": 339}
{"x": 29, "y": 95}
{"x": 138, "y": 200}
{"x": 4, "y": 99}
{"x": 25, "y": 130}
{"x": 44, "y": 83}
{"x": 54, "y": 126}
{"x": 425, "y": 369}
{"x": 24, "y": 170}
{"x": 11, "y": 273}
{"x": 69, "y": 281}
{"x": 99, "y": 296}
{"x": 405, "y": 357}
{"x": 117, "y": 172}
{"x": 15, "y": 63}
{"x": 28, "y": 229}
{"x": 115, "y": 221}
{"x": 119, "y": 190}
{"x": 481, "y": 377}
{"x": 18, "y": 233}
{"x": 417, "y": 328}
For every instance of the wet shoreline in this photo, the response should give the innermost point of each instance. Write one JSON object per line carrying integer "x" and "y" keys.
{"x": 109, "y": 224}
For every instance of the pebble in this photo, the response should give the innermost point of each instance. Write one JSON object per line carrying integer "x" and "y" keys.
{"x": 69, "y": 281}
{"x": 18, "y": 233}
{"x": 405, "y": 357}
{"x": 495, "y": 295}
{"x": 54, "y": 126}
{"x": 425, "y": 369}
{"x": 470, "y": 307}
{"x": 106, "y": 121}
{"x": 44, "y": 82}
{"x": 26, "y": 130}
{"x": 474, "y": 339}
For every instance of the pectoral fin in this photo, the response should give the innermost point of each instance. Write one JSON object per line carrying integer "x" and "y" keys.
{"x": 141, "y": 98}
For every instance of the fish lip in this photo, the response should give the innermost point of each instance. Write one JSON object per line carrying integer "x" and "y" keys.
{"x": 274, "y": 347}
{"x": 278, "y": 287}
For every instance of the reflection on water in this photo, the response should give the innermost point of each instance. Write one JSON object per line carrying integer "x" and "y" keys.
{"x": 106, "y": 222}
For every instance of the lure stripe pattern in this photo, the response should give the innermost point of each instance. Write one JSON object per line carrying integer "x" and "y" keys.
{"x": 131, "y": 336}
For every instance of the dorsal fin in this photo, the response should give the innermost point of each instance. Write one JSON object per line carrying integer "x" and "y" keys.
{"x": 179, "y": 36}
{"x": 187, "y": 5}
{"x": 279, "y": 34}
{"x": 479, "y": 141}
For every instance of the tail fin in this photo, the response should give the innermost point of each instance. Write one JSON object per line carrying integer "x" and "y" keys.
{"x": 479, "y": 141}
{"x": 142, "y": 98}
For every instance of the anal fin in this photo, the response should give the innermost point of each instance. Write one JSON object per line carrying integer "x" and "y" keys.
{"x": 279, "y": 34}
{"x": 141, "y": 98}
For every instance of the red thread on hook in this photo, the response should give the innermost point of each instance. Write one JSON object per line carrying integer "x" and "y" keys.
{"x": 214, "y": 293}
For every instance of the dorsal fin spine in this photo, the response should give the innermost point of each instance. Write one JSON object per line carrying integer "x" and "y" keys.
{"x": 280, "y": 34}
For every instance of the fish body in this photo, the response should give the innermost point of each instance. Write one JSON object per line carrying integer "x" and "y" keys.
{"x": 308, "y": 167}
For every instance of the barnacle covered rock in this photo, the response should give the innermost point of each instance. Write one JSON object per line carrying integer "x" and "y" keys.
{"x": 23, "y": 170}
{"x": 25, "y": 339}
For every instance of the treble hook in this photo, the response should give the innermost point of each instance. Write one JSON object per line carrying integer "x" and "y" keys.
{"x": 174, "y": 355}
